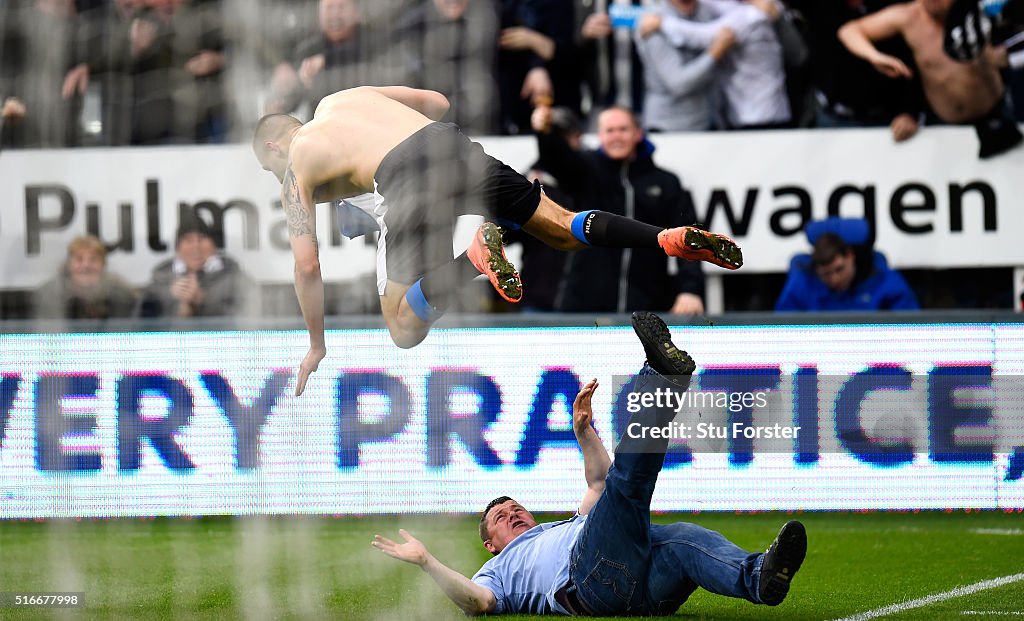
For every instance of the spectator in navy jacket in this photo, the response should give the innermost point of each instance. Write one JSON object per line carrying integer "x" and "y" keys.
{"x": 622, "y": 178}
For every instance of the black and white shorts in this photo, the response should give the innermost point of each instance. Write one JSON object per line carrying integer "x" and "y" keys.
{"x": 436, "y": 175}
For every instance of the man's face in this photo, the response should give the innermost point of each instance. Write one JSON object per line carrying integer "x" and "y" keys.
{"x": 838, "y": 275}
{"x": 505, "y": 522}
{"x": 618, "y": 134}
{"x": 338, "y": 18}
{"x": 194, "y": 249}
{"x": 85, "y": 267}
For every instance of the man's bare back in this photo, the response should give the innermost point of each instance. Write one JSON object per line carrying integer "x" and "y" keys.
{"x": 959, "y": 92}
{"x": 350, "y": 134}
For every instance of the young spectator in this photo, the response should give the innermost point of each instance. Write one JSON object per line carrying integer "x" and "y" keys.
{"x": 843, "y": 272}
{"x": 84, "y": 289}
{"x": 199, "y": 281}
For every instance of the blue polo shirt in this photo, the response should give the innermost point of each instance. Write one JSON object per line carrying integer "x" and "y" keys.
{"x": 526, "y": 574}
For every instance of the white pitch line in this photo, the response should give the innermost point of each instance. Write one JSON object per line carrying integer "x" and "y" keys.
{"x": 938, "y": 597}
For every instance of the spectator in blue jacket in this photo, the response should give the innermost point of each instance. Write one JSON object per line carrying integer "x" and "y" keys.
{"x": 843, "y": 272}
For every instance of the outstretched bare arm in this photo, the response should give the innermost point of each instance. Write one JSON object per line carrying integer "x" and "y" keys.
{"x": 859, "y": 37}
{"x": 300, "y": 210}
{"x": 472, "y": 598}
{"x": 595, "y": 457}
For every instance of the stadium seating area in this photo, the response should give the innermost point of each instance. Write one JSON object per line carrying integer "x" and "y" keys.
{"x": 122, "y": 73}
{"x": 177, "y": 440}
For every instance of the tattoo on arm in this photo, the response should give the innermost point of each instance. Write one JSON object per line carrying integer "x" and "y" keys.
{"x": 299, "y": 220}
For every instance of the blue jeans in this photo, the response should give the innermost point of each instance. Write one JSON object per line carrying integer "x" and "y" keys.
{"x": 621, "y": 564}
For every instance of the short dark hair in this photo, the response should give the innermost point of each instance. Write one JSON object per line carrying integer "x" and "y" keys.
{"x": 485, "y": 534}
{"x": 191, "y": 222}
{"x": 827, "y": 247}
{"x": 271, "y": 127}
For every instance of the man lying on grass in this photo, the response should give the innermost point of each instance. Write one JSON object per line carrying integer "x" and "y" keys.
{"x": 609, "y": 559}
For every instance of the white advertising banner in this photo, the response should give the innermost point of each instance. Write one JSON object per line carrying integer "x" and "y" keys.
{"x": 131, "y": 198}
{"x": 934, "y": 204}
{"x": 132, "y": 424}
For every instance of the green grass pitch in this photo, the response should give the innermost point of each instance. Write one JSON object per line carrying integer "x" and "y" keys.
{"x": 315, "y": 567}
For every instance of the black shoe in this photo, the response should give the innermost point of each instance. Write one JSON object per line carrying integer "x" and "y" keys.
{"x": 662, "y": 354}
{"x": 781, "y": 562}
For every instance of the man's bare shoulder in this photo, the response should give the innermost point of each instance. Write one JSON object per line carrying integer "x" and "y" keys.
{"x": 302, "y": 141}
{"x": 305, "y": 149}
{"x": 315, "y": 157}
{"x": 889, "y": 22}
{"x": 893, "y": 17}
{"x": 903, "y": 14}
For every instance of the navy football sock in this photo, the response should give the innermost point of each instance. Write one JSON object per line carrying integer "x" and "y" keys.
{"x": 600, "y": 228}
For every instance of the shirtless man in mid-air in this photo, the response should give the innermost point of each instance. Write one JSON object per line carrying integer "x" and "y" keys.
{"x": 422, "y": 175}
{"x": 969, "y": 92}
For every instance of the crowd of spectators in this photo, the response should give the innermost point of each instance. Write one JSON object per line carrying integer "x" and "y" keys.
{"x": 200, "y": 280}
{"x": 155, "y": 72}
{"x": 144, "y": 72}
{"x": 156, "y": 67}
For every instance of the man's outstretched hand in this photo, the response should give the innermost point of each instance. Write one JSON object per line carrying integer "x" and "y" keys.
{"x": 582, "y": 413}
{"x": 412, "y": 551}
{"x": 472, "y": 598}
{"x": 308, "y": 365}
